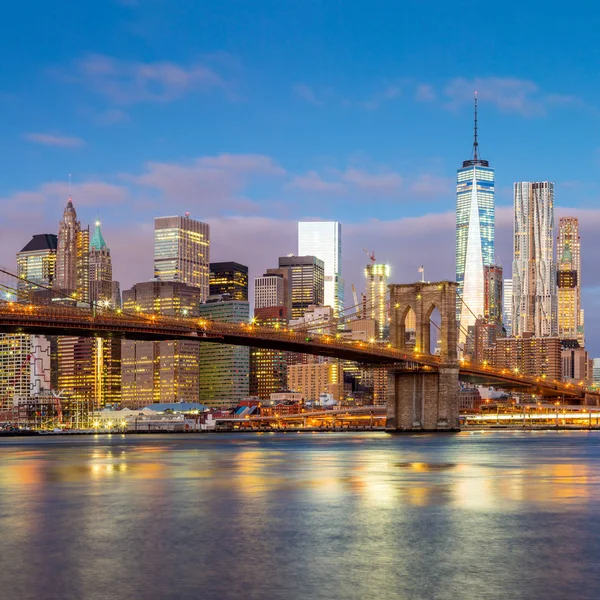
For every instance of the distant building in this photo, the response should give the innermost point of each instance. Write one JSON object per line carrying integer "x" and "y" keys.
{"x": 100, "y": 265}
{"x": 596, "y": 372}
{"x": 576, "y": 364}
{"x": 268, "y": 368}
{"x": 36, "y": 263}
{"x": 534, "y": 269}
{"x": 377, "y": 296}
{"x": 316, "y": 319}
{"x": 323, "y": 239}
{"x": 568, "y": 252}
{"x": 529, "y": 355}
{"x": 305, "y": 283}
{"x": 269, "y": 290}
{"x": 493, "y": 294}
{"x": 229, "y": 279}
{"x": 314, "y": 379}
{"x": 224, "y": 369}
{"x": 165, "y": 371}
{"x": 507, "y": 306}
{"x": 182, "y": 252}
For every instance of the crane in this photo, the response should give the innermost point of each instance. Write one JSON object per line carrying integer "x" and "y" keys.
{"x": 371, "y": 255}
{"x": 355, "y": 297}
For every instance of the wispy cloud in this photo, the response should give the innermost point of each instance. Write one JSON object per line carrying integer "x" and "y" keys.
{"x": 313, "y": 182}
{"x": 307, "y": 93}
{"x": 382, "y": 183}
{"x": 425, "y": 93}
{"x": 48, "y": 139}
{"x": 509, "y": 94}
{"x": 133, "y": 82}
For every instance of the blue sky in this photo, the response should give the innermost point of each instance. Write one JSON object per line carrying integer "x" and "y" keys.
{"x": 252, "y": 115}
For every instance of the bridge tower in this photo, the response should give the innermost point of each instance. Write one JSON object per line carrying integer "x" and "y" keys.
{"x": 424, "y": 399}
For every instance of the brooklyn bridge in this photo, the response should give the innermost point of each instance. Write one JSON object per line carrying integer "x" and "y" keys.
{"x": 422, "y": 387}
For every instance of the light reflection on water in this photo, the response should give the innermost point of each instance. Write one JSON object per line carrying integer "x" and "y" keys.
{"x": 301, "y": 516}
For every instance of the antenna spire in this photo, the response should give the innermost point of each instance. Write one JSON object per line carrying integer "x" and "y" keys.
{"x": 69, "y": 185}
{"x": 475, "y": 143}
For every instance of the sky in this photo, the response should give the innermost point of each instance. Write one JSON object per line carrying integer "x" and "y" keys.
{"x": 254, "y": 115}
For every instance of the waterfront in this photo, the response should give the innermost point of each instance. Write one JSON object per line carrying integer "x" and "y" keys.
{"x": 301, "y": 515}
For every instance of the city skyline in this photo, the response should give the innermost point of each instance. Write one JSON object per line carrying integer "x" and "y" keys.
{"x": 365, "y": 148}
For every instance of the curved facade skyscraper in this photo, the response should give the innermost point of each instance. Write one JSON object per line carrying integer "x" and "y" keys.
{"x": 474, "y": 235}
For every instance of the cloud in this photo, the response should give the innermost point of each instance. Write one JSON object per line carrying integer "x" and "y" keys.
{"x": 212, "y": 183}
{"x": 313, "y": 182}
{"x": 381, "y": 183}
{"x": 132, "y": 82}
{"x": 305, "y": 92}
{"x": 425, "y": 93}
{"x": 509, "y": 94}
{"x": 48, "y": 139}
{"x": 432, "y": 186}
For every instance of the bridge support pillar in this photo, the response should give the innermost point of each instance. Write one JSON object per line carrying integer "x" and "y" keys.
{"x": 423, "y": 401}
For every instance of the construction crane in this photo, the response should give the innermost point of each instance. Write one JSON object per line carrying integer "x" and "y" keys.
{"x": 371, "y": 255}
{"x": 355, "y": 297}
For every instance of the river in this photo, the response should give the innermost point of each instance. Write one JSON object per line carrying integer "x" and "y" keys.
{"x": 293, "y": 516}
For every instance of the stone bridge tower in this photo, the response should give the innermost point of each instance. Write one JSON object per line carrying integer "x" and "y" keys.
{"x": 420, "y": 398}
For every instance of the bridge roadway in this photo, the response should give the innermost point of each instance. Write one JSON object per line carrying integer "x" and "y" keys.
{"x": 48, "y": 319}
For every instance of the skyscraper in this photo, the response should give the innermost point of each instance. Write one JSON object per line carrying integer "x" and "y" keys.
{"x": 72, "y": 256}
{"x": 474, "y": 234}
{"x": 36, "y": 263}
{"x": 182, "y": 251}
{"x": 229, "y": 279}
{"x": 492, "y": 305}
{"x": 224, "y": 369}
{"x": 377, "y": 296}
{"x": 568, "y": 255}
{"x": 100, "y": 268}
{"x": 306, "y": 274}
{"x": 323, "y": 239}
{"x": 534, "y": 269}
{"x": 507, "y": 306}
{"x": 269, "y": 291}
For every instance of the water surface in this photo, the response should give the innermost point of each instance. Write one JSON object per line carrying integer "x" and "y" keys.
{"x": 301, "y": 516}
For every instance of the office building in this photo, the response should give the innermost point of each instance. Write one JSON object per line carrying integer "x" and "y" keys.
{"x": 36, "y": 262}
{"x": 268, "y": 368}
{"x": 316, "y": 319}
{"x": 305, "y": 284}
{"x": 576, "y": 364}
{"x": 323, "y": 239}
{"x": 596, "y": 372}
{"x": 492, "y": 299}
{"x": 507, "y": 305}
{"x": 568, "y": 254}
{"x": 100, "y": 269}
{"x": 72, "y": 257}
{"x": 229, "y": 279}
{"x": 474, "y": 234}
{"x": 377, "y": 296}
{"x": 224, "y": 369}
{"x": 269, "y": 290}
{"x": 182, "y": 252}
{"x": 165, "y": 371}
{"x": 534, "y": 269}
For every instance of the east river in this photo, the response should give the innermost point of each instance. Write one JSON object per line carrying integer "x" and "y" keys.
{"x": 301, "y": 516}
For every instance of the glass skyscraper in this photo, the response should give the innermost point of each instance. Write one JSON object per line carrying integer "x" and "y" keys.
{"x": 323, "y": 239}
{"x": 534, "y": 268}
{"x": 474, "y": 235}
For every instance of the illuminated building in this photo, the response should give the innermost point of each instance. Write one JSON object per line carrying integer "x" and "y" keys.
{"x": 528, "y": 355}
{"x": 568, "y": 252}
{"x": 224, "y": 369}
{"x": 165, "y": 371}
{"x": 534, "y": 269}
{"x": 37, "y": 262}
{"x": 269, "y": 290}
{"x": 474, "y": 234}
{"x": 305, "y": 283}
{"x": 14, "y": 369}
{"x": 492, "y": 304}
{"x": 323, "y": 239}
{"x": 72, "y": 256}
{"x": 229, "y": 279}
{"x": 377, "y": 296}
{"x": 316, "y": 319}
{"x": 100, "y": 269}
{"x": 596, "y": 371}
{"x": 507, "y": 306}
{"x": 313, "y": 379}
{"x": 182, "y": 252}
{"x": 576, "y": 364}
{"x": 268, "y": 368}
